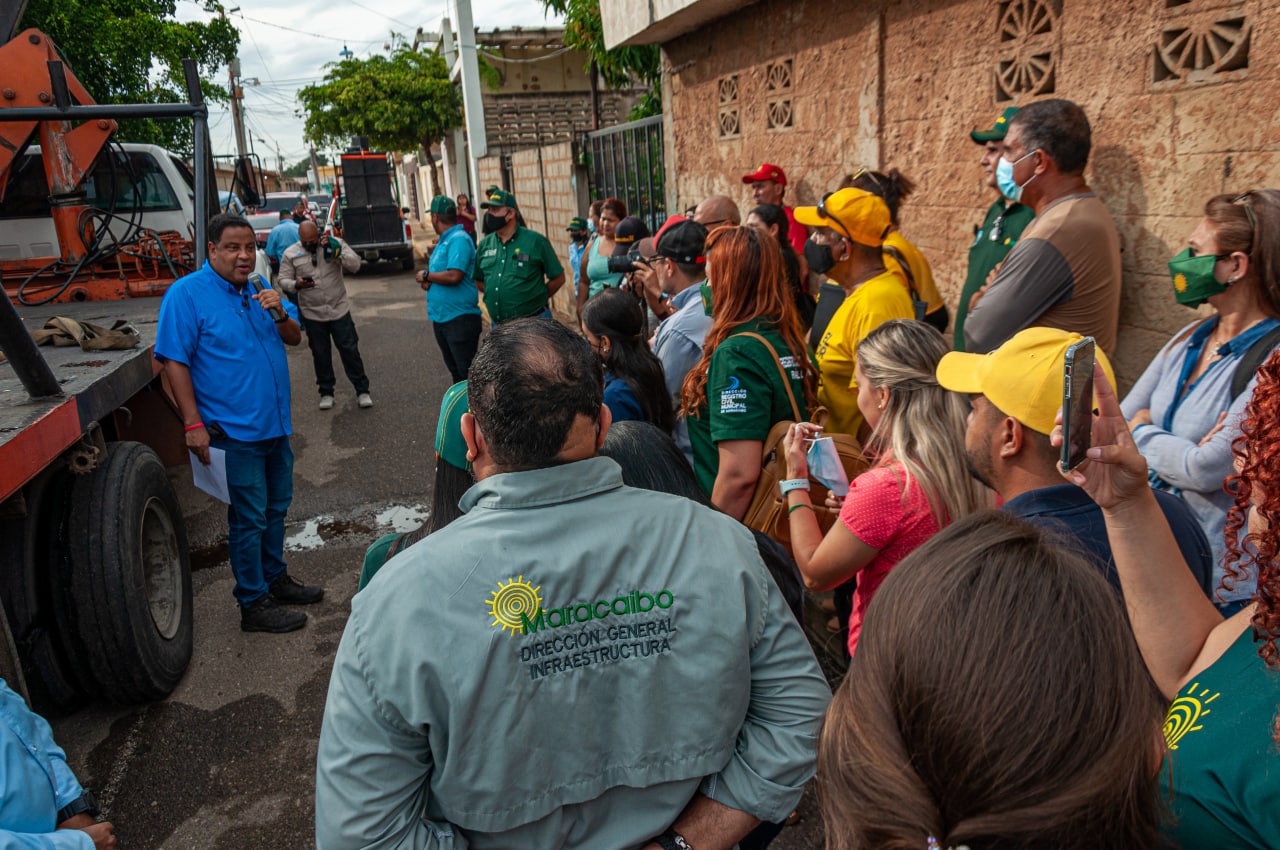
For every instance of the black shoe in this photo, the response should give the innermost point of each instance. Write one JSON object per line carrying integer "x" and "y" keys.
{"x": 264, "y": 615}
{"x": 287, "y": 590}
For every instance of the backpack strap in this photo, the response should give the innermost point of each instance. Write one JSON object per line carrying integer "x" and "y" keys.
{"x": 1249, "y": 362}
{"x": 917, "y": 303}
{"x": 786, "y": 381}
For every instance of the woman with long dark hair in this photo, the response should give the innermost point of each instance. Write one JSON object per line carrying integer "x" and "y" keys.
{"x": 736, "y": 392}
{"x": 996, "y": 701}
{"x": 772, "y": 219}
{"x": 593, "y": 273}
{"x": 613, "y": 322}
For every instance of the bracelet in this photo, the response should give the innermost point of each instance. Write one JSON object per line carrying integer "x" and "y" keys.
{"x": 282, "y": 319}
{"x": 797, "y": 506}
{"x": 191, "y": 428}
{"x": 793, "y": 484}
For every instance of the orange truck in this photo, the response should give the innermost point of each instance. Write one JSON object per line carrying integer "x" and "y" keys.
{"x": 95, "y": 579}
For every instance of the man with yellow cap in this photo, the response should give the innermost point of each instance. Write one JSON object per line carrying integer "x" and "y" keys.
{"x": 1016, "y": 393}
{"x": 848, "y": 230}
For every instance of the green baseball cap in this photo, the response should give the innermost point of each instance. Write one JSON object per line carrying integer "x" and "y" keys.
{"x": 996, "y": 133}
{"x": 449, "y": 443}
{"x": 443, "y": 204}
{"x": 577, "y": 223}
{"x": 499, "y": 198}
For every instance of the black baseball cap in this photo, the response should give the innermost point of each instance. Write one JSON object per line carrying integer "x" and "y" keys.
{"x": 682, "y": 240}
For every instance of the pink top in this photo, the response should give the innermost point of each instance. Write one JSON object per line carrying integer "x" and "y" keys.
{"x": 878, "y": 515}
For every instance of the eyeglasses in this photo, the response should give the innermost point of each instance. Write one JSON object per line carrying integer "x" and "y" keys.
{"x": 822, "y": 211}
{"x": 1244, "y": 200}
{"x": 863, "y": 171}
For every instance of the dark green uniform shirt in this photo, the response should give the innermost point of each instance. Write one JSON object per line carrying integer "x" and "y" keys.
{"x": 1225, "y": 787}
{"x": 515, "y": 273}
{"x": 1001, "y": 230}
{"x": 745, "y": 396}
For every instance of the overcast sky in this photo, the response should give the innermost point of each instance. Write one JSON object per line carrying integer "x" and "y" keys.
{"x": 284, "y": 45}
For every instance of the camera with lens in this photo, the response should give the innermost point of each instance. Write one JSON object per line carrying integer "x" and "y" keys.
{"x": 626, "y": 264}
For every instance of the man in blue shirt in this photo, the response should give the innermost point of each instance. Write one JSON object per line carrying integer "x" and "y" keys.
{"x": 281, "y": 237}
{"x": 1016, "y": 391}
{"x": 41, "y": 802}
{"x": 224, "y": 357}
{"x": 453, "y": 305}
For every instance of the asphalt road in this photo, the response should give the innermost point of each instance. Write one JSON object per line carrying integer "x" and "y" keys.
{"x": 227, "y": 762}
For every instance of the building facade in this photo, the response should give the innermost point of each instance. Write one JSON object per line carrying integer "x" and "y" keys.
{"x": 1181, "y": 95}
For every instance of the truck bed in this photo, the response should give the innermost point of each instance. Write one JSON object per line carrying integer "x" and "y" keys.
{"x": 34, "y": 433}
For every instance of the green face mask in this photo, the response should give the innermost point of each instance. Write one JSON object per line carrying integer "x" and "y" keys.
{"x": 705, "y": 289}
{"x": 1193, "y": 280}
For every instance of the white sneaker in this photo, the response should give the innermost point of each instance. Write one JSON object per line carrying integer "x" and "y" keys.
{"x": 364, "y": 400}
{"x": 326, "y": 402}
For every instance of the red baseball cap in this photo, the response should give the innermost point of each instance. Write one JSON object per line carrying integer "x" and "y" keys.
{"x": 767, "y": 171}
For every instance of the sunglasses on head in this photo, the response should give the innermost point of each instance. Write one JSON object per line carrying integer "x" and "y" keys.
{"x": 822, "y": 211}
{"x": 1244, "y": 200}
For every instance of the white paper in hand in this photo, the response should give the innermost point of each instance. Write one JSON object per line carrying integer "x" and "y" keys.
{"x": 825, "y": 465}
{"x": 212, "y": 478}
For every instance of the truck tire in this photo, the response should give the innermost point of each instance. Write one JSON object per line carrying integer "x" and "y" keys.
{"x": 406, "y": 263}
{"x": 32, "y": 549}
{"x": 131, "y": 575}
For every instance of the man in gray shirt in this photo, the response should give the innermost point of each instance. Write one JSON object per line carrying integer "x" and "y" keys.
{"x": 680, "y": 268}
{"x": 1065, "y": 272}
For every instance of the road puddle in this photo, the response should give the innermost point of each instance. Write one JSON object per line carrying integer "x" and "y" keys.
{"x": 318, "y": 532}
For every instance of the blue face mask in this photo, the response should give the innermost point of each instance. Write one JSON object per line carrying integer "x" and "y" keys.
{"x": 1004, "y": 177}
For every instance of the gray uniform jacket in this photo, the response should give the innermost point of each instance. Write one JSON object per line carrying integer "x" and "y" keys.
{"x": 328, "y": 299}
{"x": 565, "y": 666}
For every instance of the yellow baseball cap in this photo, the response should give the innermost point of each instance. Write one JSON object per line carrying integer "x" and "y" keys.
{"x": 1023, "y": 377}
{"x": 859, "y": 215}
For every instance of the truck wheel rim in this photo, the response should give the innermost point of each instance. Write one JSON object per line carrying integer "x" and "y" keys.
{"x": 161, "y": 568}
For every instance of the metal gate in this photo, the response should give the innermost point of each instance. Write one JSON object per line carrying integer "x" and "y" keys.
{"x": 627, "y": 163}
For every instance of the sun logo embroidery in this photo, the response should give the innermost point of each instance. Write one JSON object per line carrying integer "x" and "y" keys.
{"x": 513, "y": 598}
{"x": 1180, "y": 282}
{"x": 1185, "y": 715}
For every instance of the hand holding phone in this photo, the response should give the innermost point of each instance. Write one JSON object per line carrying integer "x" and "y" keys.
{"x": 1077, "y": 402}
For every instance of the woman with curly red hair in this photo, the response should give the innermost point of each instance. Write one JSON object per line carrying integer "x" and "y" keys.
{"x": 1223, "y": 676}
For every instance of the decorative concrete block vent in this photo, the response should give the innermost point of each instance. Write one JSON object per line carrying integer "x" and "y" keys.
{"x": 1202, "y": 41}
{"x": 1028, "y": 45}
{"x": 778, "y": 78}
{"x": 730, "y": 123}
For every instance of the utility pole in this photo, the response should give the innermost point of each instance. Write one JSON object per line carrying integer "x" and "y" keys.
{"x": 466, "y": 72}
{"x": 237, "y": 94}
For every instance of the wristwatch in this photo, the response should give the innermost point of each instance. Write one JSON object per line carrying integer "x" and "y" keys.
{"x": 84, "y": 804}
{"x": 793, "y": 484}
{"x": 672, "y": 840}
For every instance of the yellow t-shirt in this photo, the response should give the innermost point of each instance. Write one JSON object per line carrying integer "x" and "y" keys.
{"x": 920, "y": 270}
{"x": 875, "y": 302}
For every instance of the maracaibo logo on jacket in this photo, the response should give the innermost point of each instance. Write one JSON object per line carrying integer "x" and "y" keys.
{"x": 516, "y": 606}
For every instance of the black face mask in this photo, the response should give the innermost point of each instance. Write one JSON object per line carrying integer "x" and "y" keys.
{"x": 818, "y": 257}
{"x": 494, "y": 223}
{"x": 310, "y": 247}
{"x": 579, "y": 237}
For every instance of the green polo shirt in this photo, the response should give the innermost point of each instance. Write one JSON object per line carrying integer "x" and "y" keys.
{"x": 515, "y": 273}
{"x": 1006, "y": 225}
{"x": 745, "y": 396}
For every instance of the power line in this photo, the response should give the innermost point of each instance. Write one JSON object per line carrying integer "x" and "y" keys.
{"x": 304, "y": 32}
{"x": 497, "y": 57}
{"x": 381, "y": 14}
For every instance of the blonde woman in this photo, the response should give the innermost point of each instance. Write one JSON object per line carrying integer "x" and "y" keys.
{"x": 917, "y": 484}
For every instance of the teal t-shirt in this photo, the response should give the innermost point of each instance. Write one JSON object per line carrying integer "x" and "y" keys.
{"x": 745, "y": 396}
{"x": 1225, "y": 765}
{"x": 515, "y": 273}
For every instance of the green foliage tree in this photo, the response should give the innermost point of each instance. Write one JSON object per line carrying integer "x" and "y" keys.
{"x": 131, "y": 51}
{"x": 403, "y": 101}
{"x": 300, "y": 168}
{"x": 619, "y": 67}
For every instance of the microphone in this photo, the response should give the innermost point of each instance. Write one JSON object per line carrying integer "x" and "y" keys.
{"x": 256, "y": 281}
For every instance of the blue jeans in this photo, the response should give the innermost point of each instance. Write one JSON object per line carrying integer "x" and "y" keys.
{"x": 260, "y": 480}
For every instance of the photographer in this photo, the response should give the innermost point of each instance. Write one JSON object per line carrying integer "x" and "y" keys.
{"x": 312, "y": 267}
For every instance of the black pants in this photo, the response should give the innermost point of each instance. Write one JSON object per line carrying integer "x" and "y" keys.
{"x": 458, "y": 340}
{"x": 343, "y": 332}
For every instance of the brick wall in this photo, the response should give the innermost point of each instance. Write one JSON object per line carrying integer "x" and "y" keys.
{"x": 489, "y": 173}
{"x": 900, "y": 84}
